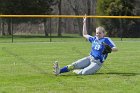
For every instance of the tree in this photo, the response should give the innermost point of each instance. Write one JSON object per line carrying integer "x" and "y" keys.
{"x": 60, "y": 20}
{"x": 82, "y": 7}
{"x": 77, "y": 10}
{"x": 23, "y": 7}
{"x": 116, "y": 8}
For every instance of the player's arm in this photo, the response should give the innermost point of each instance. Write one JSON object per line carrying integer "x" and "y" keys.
{"x": 85, "y": 29}
{"x": 113, "y": 46}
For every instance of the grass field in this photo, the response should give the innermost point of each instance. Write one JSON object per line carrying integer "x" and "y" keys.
{"x": 26, "y": 67}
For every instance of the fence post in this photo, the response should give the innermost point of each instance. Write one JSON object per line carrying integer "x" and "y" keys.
{"x": 121, "y": 29}
{"x": 12, "y": 30}
{"x": 50, "y": 29}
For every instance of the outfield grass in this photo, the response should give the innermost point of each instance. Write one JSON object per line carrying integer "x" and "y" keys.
{"x": 53, "y": 38}
{"x": 27, "y": 68}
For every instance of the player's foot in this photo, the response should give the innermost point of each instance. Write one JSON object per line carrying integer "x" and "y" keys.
{"x": 56, "y": 68}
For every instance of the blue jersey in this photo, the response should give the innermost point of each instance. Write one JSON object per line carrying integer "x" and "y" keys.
{"x": 97, "y": 47}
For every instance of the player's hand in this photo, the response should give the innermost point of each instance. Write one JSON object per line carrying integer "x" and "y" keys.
{"x": 84, "y": 19}
{"x": 107, "y": 49}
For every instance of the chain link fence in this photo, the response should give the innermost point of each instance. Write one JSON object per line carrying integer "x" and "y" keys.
{"x": 64, "y": 29}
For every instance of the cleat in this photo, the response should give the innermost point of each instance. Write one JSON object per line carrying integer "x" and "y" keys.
{"x": 56, "y": 68}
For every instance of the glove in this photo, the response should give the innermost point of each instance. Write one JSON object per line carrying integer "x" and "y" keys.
{"x": 107, "y": 49}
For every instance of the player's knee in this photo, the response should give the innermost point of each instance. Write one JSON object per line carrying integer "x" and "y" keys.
{"x": 70, "y": 67}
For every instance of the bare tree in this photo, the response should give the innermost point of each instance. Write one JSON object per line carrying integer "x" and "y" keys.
{"x": 45, "y": 26}
{"x": 2, "y": 26}
{"x": 73, "y": 7}
{"x": 76, "y": 9}
{"x": 60, "y": 20}
{"x": 81, "y": 7}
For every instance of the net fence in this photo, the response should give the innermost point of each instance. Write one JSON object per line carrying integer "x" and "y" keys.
{"x": 63, "y": 28}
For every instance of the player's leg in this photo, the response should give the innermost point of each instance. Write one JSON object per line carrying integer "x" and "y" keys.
{"x": 80, "y": 64}
{"x": 91, "y": 69}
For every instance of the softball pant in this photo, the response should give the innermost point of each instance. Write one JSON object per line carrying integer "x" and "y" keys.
{"x": 87, "y": 66}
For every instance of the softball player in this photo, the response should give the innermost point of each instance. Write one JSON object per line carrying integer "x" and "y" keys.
{"x": 100, "y": 47}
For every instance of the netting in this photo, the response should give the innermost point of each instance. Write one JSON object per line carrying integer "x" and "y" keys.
{"x": 57, "y": 28}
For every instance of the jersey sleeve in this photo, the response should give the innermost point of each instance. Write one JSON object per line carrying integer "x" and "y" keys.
{"x": 110, "y": 42}
{"x": 91, "y": 39}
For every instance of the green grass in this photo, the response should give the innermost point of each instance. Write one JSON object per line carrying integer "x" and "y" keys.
{"x": 40, "y": 38}
{"x": 53, "y": 38}
{"x": 26, "y": 67}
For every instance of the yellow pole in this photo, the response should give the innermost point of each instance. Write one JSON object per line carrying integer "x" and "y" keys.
{"x": 64, "y": 16}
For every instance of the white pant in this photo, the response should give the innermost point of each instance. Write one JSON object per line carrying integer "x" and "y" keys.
{"x": 87, "y": 65}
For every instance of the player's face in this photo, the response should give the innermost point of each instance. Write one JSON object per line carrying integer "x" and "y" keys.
{"x": 99, "y": 34}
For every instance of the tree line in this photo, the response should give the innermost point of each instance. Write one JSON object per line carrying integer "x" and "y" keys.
{"x": 121, "y": 27}
{"x": 115, "y": 27}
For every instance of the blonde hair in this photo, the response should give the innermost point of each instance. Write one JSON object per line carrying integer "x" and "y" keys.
{"x": 100, "y": 28}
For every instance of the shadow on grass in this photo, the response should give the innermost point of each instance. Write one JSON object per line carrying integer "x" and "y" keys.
{"x": 121, "y": 74}
{"x": 110, "y": 73}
